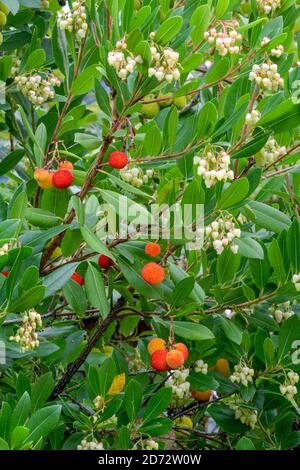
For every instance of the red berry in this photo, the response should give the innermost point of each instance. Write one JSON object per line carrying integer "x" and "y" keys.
{"x": 77, "y": 278}
{"x": 104, "y": 262}
{"x": 118, "y": 160}
{"x": 5, "y": 273}
{"x": 158, "y": 360}
{"x": 62, "y": 179}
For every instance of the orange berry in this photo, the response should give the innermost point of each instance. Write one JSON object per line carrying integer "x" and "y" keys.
{"x": 44, "y": 178}
{"x": 152, "y": 249}
{"x": 158, "y": 360}
{"x": 66, "y": 165}
{"x": 153, "y": 273}
{"x": 155, "y": 344}
{"x": 62, "y": 179}
{"x": 222, "y": 367}
{"x": 201, "y": 396}
{"x": 118, "y": 160}
{"x": 174, "y": 358}
{"x": 183, "y": 349}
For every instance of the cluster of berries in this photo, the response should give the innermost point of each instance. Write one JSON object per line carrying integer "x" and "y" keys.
{"x": 282, "y": 312}
{"x": 136, "y": 176}
{"x": 226, "y": 40}
{"x": 60, "y": 179}
{"x": 245, "y": 414}
{"x": 252, "y": 118}
{"x": 122, "y": 60}
{"x": 164, "y": 64}
{"x": 288, "y": 388}
{"x": 222, "y": 232}
{"x": 90, "y": 445}
{"x": 181, "y": 395}
{"x": 242, "y": 374}
{"x": 214, "y": 167}
{"x": 268, "y": 6}
{"x": 296, "y": 281}
{"x": 74, "y": 20}
{"x": 27, "y": 335}
{"x": 266, "y": 76}
{"x": 36, "y": 88}
{"x": 270, "y": 153}
{"x": 164, "y": 358}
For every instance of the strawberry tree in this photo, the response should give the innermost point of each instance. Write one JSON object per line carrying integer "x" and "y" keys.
{"x": 114, "y": 336}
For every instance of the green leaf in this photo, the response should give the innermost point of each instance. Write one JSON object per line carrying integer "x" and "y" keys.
{"x": 293, "y": 245}
{"x": 42, "y": 422}
{"x": 288, "y": 334}
{"x": 218, "y": 70}
{"x": 28, "y": 299}
{"x": 202, "y": 382}
{"x": 221, "y": 8}
{"x": 227, "y": 266}
{"x": 182, "y": 291}
{"x": 153, "y": 141}
{"x": 249, "y": 248}
{"x": 244, "y": 443}
{"x": 41, "y": 390}
{"x": 236, "y": 192}
{"x": 41, "y": 218}
{"x": 74, "y": 295}
{"x": 21, "y": 411}
{"x": 168, "y": 29}
{"x": 58, "y": 278}
{"x": 95, "y": 243}
{"x": 276, "y": 261}
{"x": 85, "y": 80}
{"x": 157, "y": 404}
{"x": 35, "y": 60}
{"x": 95, "y": 290}
{"x": 267, "y": 216}
{"x": 200, "y": 20}
{"x": 231, "y": 331}
{"x": 107, "y": 373}
{"x": 11, "y": 160}
{"x": 189, "y": 330}
{"x": 225, "y": 419}
{"x": 133, "y": 399}
{"x": 285, "y": 116}
{"x": 18, "y": 436}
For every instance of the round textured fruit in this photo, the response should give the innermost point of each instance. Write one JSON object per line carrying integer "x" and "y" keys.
{"x": 104, "y": 262}
{"x": 167, "y": 101}
{"x": 66, "y": 165}
{"x": 150, "y": 109}
{"x": 4, "y": 8}
{"x": 62, "y": 179}
{"x": 158, "y": 360}
{"x": 222, "y": 367}
{"x": 77, "y": 278}
{"x": 180, "y": 102}
{"x": 183, "y": 349}
{"x": 201, "y": 396}
{"x": 155, "y": 344}
{"x": 44, "y": 178}
{"x": 3, "y": 18}
{"x": 118, "y": 160}
{"x": 174, "y": 358}
{"x": 152, "y": 249}
{"x": 153, "y": 273}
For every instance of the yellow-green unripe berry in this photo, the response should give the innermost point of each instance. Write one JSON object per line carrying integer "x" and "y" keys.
{"x": 1, "y": 39}
{"x": 180, "y": 102}
{"x": 4, "y": 8}
{"x": 167, "y": 101}
{"x": 151, "y": 109}
{"x": 137, "y": 4}
{"x": 3, "y": 18}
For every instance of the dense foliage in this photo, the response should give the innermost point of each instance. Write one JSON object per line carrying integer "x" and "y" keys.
{"x": 129, "y": 103}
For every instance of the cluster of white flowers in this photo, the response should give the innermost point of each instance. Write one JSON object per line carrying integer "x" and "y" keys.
{"x": 277, "y": 51}
{"x": 90, "y": 445}
{"x": 266, "y": 76}
{"x": 74, "y": 20}
{"x": 99, "y": 402}
{"x": 122, "y": 60}
{"x": 201, "y": 366}
{"x": 222, "y": 232}
{"x": 135, "y": 176}
{"x": 242, "y": 374}
{"x": 282, "y": 312}
{"x": 214, "y": 166}
{"x": 296, "y": 281}
{"x": 36, "y": 88}
{"x": 135, "y": 362}
{"x": 16, "y": 62}
{"x": 164, "y": 64}
{"x": 150, "y": 444}
{"x": 109, "y": 423}
{"x": 289, "y": 389}
{"x": 270, "y": 152}
{"x": 252, "y": 118}
{"x": 226, "y": 41}
{"x": 27, "y": 335}
{"x": 247, "y": 416}
{"x": 181, "y": 395}
{"x": 268, "y": 6}
{"x": 4, "y": 249}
